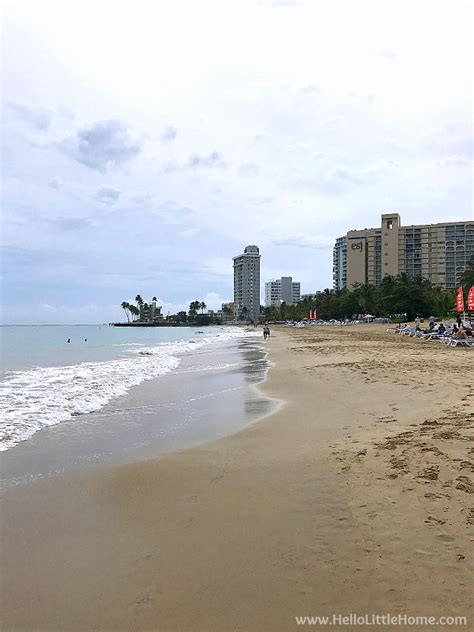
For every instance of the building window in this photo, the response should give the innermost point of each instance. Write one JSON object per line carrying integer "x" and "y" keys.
{"x": 389, "y": 224}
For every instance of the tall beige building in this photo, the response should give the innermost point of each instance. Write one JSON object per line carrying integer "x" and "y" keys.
{"x": 438, "y": 252}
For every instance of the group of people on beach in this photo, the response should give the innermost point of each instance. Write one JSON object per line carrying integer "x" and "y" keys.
{"x": 266, "y": 331}
{"x": 457, "y": 330}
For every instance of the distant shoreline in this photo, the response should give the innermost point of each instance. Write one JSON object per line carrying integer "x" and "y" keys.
{"x": 168, "y": 325}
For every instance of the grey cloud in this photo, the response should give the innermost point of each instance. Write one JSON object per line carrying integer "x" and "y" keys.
{"x": 170, "y": 133}
{"x": 101, "y": 145}
{"x": 107, "y": 195}
{"x": 37, "y": 116}
{"x": 249, "y": 169}
{"x": 54, "y": 184}
{"x": 214, "y": 160}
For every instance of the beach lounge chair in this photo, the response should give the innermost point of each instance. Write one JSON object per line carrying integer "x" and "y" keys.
{"x": 465, "y": 342}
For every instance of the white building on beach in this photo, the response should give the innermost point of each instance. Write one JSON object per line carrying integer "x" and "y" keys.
{"x": 283, "y": 290}
{"x": 247, "y": 284}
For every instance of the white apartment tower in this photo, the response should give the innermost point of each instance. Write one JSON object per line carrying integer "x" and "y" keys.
{"x": 247, "y": 284}
{"x": 283, "y": 290}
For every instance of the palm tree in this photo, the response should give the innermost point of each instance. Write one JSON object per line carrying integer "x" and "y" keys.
{"x": 126, "y": 308}
{"x": 202, "y": 306}
{"x": 194, "y": 306}
{"x": 139, "y": 301}
{"x": 244, "y": 312}
{"x": 134, "y": 310}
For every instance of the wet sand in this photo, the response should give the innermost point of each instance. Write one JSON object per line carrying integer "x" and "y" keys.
{"x": 353, "y": 497}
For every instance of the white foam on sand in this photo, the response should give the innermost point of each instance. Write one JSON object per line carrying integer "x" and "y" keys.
{"x": 45, "y": 396}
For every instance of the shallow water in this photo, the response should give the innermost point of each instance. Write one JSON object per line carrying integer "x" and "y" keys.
{"x": 210, "y": 394}
{"x": 46, "y": 381}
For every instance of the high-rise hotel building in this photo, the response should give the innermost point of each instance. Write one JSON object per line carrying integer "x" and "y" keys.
{"x": 247, "y": 284}
{"x": 283, "y": 290}
{"x": 438, "y": 252}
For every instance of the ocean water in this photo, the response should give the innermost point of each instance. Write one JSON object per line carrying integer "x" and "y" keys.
{"x": 46, "y": 380}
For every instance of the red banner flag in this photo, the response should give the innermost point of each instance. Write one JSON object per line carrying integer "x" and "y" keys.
{"x": 470, "y": 300}
{"x": 459, "y": 301}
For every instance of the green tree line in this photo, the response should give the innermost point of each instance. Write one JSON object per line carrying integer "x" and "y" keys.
{"x": 401, "y": 297}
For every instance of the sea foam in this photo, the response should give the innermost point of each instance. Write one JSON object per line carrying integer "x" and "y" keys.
{"x": 35, "y": 398}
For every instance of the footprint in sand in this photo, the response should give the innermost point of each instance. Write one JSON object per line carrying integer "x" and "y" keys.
{"x": 465, "y": 484}
{"x": 430, "y": 473}
{"x": 444, "y": 537}
{"x": 433, "y": 520}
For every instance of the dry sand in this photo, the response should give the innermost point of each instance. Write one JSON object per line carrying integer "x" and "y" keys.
{"x": 354, "y": 496}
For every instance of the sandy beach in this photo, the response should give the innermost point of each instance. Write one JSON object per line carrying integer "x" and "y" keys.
{"x": 354, "y": 496}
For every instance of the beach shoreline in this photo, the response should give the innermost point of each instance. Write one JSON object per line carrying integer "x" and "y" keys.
{"x": 210, "y": 394}
{"x": 351, "y": 497}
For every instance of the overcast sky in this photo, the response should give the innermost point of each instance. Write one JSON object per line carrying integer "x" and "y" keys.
{"x": 145, "y": 145}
